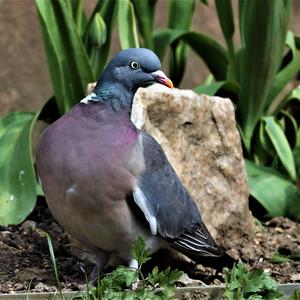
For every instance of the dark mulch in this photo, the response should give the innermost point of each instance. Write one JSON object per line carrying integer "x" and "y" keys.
{"x": 25, "y": 260}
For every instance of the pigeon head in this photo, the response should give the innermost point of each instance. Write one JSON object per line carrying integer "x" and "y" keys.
{"x": 127, "y": 71}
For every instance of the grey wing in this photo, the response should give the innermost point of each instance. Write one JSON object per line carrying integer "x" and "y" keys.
{"x": 168, "y": 206}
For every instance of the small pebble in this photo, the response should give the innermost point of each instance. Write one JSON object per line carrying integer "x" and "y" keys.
{"x": 295, "y": 277}
{"x": 19, "y": 287}
{"x": 28, "y": 226}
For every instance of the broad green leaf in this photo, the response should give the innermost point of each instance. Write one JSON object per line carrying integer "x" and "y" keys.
{"x": 263, "y": 34}
{"x": 281, "y": 145}
{"x": 67, "y": 59}
{"x": 17, "y": 180}
{"x": 145, "y": 16}
{"x": 127, "y": 26}
{"x": 276, "y": 194}
{"x": 180, "y": 17}
{"x": 95, "y": 39}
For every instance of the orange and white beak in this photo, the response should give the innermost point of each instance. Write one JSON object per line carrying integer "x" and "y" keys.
{"x": 160, "y": 77}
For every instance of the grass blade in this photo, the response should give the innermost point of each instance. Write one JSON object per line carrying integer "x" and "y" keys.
{"x": 281, "y": 146}
{"x": 127, "y": 26}
{"x": 17, "y": 180}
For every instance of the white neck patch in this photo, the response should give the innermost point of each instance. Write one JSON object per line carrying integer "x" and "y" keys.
{"x": 88, "y": 98}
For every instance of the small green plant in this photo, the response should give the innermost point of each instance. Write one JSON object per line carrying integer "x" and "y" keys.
{"x": 128, "y": 283}
{"x": 245, "y": 285}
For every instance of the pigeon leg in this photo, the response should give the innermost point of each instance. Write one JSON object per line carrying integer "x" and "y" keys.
{"x": 102, "y": 258}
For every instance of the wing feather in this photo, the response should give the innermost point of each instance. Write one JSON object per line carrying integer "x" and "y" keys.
{"x": 168, "y": 206}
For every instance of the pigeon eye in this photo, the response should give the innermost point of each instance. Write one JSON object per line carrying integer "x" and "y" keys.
{"x": 134, "y": 65}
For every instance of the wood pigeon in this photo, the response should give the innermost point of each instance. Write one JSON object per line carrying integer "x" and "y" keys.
{"x": 107, "y": 182}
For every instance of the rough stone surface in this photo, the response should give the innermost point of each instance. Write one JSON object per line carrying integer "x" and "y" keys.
{"x": 199, "y": 136}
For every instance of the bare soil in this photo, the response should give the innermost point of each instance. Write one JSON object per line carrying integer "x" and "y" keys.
{"x": 25, "y": 260}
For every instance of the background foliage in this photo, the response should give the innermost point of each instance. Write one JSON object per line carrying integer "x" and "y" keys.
{"x": 256, "y": 75}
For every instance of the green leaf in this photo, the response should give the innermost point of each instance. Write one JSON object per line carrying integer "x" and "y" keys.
{"x": 224, "y": 10}
{"x": 296, "y": 154}
{"x": 140, "y": 252}
{"x": 67, "y": 59}
{"x": 263, "y": 32}
{"x": 145, "y": 16}
{"x": 78, "y": 15}
{"x": 17, "y": 180}
{"x": 290, "y": 128}
{"x": 127, "y": 26}
{"x": 162, "y": 40}
{"x": 281, "y": 79}
{"x": 225, "y": 14}
{"x": 164, "y": 278}
{"x": 277, "y": 106}
{"x": 212, "y": 88}
{"x": 212, "y": 53}
{"x": 281, "y": 145}
{"x": 276, "y": 194}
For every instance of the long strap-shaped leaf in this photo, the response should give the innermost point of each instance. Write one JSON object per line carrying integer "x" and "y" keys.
{"x": 127, "y": 25}
{"x": 67, "y": 59}
{"x": 263, "y": 32}
{"x": 144, "y": 10}
{"x": 225, "y": 14}
{"x": 212, "y": 53}
{"x": 180, "y": 18}
{"x": 281, "y": 145}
